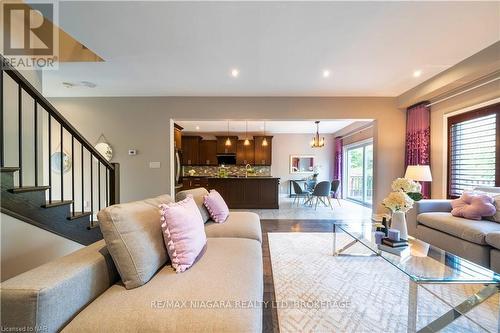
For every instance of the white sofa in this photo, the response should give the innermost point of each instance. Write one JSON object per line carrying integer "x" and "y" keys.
{"x": 83, "y": 292}
{"x": 478, "y": 241}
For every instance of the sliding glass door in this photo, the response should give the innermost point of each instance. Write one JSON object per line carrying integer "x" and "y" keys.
{"x": 358, "y": 178}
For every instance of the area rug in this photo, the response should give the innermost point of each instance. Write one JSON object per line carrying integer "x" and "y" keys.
{"x": 317, "y": 292}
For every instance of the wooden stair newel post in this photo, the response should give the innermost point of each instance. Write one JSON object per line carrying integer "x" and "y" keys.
{"x": 114, "y": 184}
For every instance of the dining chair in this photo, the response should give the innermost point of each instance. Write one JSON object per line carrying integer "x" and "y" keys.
{"x": 299, "y": 193}
{"x": 335, "y": 190}
{"x": 320, "y": 192}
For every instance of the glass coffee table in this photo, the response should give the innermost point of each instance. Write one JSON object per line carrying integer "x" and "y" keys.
{"x": 425, "y": 264}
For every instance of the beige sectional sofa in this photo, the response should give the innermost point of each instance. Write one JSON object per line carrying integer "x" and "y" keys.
{"x": 82, "y": 292}
{"x": 478, "y": 241}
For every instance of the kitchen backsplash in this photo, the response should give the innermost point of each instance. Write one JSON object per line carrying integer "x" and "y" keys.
{"x": 232, "y": 170}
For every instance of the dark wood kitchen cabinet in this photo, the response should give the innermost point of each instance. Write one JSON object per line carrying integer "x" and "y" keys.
{"x": 194, "y": 182}
{"x": 263, "y": 154}
{"x": 248, "y": 193}
{"x": 177, "y": 136}
{"x": 244, "y": 154}
{"x": 208, "y": 152}
{"x": 191, "y": 150}
{"x": 221, "y": 145}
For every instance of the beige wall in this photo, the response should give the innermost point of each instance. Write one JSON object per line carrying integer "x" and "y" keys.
{"x": 143, "y": 123}
{"x": 285, "y": 145}
{"x": 457, "y": 90}
{"x": 439, "y": 112}
{"x": 25, "y": 246}
{"x": 479, "y": 66}
{"x": 356, "y": 136}
{"x": 11, "y": 125}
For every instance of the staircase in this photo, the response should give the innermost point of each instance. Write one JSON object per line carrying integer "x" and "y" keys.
{"x": 38, "y": 185}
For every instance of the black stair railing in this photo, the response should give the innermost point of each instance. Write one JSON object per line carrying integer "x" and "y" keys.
{"x": 111, "y": 170}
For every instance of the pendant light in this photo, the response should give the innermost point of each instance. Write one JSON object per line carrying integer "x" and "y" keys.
{"x": 247, "y": 142}
{"x": 228, "y": 141}
{"x": 316, "y": 141}
{"x": 264, "y": 142}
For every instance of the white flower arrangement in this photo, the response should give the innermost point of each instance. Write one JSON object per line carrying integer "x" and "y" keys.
{"x": 398, "y": 201}
{"x": 406, "y": 185}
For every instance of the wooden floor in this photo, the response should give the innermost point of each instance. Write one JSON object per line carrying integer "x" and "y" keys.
{"x": 270, "y": 315}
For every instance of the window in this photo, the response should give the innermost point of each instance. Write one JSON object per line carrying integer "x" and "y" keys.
{"x": 473, "y": 150}
{"x": 358, "y": 174}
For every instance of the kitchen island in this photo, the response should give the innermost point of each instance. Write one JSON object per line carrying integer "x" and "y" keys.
{"x": 247, "y": 192}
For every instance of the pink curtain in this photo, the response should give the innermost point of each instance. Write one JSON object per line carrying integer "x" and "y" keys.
{"x": 418, "y": 139}
{"x": 338, "y": 163}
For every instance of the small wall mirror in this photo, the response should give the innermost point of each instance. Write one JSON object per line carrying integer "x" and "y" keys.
{"x": 301, "y": 164}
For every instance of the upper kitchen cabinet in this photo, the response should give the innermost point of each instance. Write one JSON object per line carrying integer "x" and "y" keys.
{"x": 177, "y": 136}
{"x": 221, "y": 145}
{"x": 208, "y": 152}
{"x": 244, "y": 154}
{"x": 191, "y": 150}
{"x": 263, "y": 154}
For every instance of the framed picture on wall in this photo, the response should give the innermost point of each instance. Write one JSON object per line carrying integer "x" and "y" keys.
{"x": 302, "y": 164}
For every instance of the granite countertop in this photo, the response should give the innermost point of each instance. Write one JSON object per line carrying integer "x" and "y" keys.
{"x": 249, "y": 177}
{"x": 233, "y": 177}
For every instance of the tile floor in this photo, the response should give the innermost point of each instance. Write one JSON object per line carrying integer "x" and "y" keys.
{"x": 346, "y": 211}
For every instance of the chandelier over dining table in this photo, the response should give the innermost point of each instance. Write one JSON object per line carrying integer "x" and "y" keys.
{"x": 316, "y": 141}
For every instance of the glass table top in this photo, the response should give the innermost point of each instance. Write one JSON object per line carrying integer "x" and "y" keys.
{"x": 425, "y": 263}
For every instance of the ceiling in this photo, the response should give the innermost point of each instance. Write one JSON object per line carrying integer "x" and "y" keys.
{"x": 280, "y": 48}
{"x": 272, "y": 127}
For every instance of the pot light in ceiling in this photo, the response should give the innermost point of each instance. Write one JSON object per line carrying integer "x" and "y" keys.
{"x": 417, "y": 73}
{"x": 86, "y": 84}
{"x": 197, "y": 128}
{"x": 235, "y": 72}
{"x": 326, "y": 73}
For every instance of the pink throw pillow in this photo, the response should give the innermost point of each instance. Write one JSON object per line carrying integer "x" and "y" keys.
{"x": 473, "y": 206}
{"x": 183, "y": 232}
{"x": 216, "y": 206}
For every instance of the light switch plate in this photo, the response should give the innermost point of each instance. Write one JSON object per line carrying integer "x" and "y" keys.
{"x": 154, "y": 165}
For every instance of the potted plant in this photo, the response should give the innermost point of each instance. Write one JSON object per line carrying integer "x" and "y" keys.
{"x": 405, "y": 193}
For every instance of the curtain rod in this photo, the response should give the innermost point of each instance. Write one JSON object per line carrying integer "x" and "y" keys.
{"x": 356, "y": 131}
{"x": 463, "y": 91}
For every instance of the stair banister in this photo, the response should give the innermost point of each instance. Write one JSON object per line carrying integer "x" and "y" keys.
{"x": 24, "y": 201}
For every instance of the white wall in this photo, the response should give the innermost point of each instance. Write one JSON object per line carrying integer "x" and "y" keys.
{"x": 285, "y": 145}
{"x": 25, "y": 246}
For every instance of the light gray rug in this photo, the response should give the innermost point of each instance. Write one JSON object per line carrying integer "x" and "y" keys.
{"x": 358, "y": 294}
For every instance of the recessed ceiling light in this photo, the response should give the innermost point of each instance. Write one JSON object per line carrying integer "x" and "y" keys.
{"x": 235, "y": 72}
{"x": 86, "y": 84}
{"x": 417, "y": 73}
{"x": 197, "y": 128}
{"x": 326, "y": 73}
